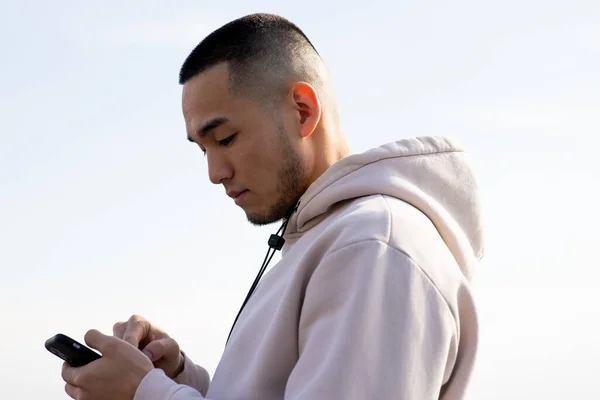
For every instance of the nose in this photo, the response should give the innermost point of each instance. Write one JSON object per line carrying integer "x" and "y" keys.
{"x": 219, "y": 169}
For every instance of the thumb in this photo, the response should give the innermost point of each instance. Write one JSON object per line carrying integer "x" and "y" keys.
{"x": 161, "y": 348}
{"x": 97, "y": 340}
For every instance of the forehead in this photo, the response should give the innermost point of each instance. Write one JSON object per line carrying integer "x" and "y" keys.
{"x": 206, "y": 96}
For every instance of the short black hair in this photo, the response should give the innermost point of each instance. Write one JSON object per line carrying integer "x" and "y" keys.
{"x": 258, "y": 48}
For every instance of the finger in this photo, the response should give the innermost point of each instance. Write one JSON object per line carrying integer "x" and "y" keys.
{"x": 68, "y": 374}
{"x": 166, "y": 348}
{"x": 137, "y": 330}
{"x": 73, "y": 391}
{"x": 119, "y": 329}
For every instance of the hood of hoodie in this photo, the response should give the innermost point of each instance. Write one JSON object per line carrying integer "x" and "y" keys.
{"x": 430, "y": 173}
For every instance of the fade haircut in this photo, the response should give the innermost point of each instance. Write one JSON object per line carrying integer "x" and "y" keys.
{"x": 264, "y": 52}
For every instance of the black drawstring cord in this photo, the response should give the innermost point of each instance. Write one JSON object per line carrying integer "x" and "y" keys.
{"x": 276, "y": 242}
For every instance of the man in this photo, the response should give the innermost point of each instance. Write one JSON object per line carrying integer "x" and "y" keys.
{"x": 371, "y": 298}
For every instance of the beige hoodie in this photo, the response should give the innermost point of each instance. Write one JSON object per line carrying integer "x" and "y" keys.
{"x": 371, "y": 299}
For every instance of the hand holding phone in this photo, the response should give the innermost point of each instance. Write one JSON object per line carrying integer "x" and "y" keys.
{"x": 114, "y": 372}
{"x": 71, "y": 351}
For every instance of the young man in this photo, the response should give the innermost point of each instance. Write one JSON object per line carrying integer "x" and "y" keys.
{"x": 371, "y": 298}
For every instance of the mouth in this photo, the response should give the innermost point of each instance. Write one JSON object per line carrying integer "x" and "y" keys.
{"x": 237, "y": 196}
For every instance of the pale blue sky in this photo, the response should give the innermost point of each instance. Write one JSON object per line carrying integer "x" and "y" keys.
{"x": 106, "y": 209}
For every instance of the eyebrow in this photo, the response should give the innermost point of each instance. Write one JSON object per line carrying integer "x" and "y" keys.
{"x": 209, "y": 126}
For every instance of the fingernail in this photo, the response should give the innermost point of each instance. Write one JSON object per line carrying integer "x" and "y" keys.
{"x": 149, "y": 355}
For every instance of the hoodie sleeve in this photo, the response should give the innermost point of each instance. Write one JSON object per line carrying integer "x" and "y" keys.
{"x": 372, "y": 326}
{"x": 158, "y": 386}
{"x": 192, "y": 383}
{"x": 193, "y": 375}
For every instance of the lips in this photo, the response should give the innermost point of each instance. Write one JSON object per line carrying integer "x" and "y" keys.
{"x": 235, "y": 193}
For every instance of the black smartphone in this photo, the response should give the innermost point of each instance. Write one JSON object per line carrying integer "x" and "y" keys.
{"x": 71, "y": 351}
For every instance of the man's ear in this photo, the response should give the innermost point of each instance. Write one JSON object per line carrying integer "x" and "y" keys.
{"x": 307, "y": 106}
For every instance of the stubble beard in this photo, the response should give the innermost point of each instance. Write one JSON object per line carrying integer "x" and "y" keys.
{"x": 292, "y": 183}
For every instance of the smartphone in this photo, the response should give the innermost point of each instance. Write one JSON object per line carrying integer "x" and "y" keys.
{"x": 71, "y": 351}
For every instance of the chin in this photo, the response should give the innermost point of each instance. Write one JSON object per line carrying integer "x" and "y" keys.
{"x": 260, "y": 219}
{"x": 265, "y": 217}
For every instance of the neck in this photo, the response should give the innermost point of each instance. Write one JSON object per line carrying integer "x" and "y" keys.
{"x": 331, "y": 148}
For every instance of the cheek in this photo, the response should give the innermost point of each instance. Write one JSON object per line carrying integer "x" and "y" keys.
{"x": 259, "y": 171}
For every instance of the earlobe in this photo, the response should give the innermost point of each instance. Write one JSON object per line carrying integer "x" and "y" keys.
{"x": 308, "y": 108}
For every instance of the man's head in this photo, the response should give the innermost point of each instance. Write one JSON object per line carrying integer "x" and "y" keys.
{"x": 258, "y": 101}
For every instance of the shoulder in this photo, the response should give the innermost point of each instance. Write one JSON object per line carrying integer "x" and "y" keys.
{"x": 386, "y": 219}
{"x": 400, "y": 228}
{"x": 357, "y": 220}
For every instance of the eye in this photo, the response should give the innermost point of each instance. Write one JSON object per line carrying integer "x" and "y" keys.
{"x": 227, "y": 141}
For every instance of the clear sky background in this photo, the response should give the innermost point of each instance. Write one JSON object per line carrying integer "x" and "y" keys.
{"x": 106, "y": 210}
